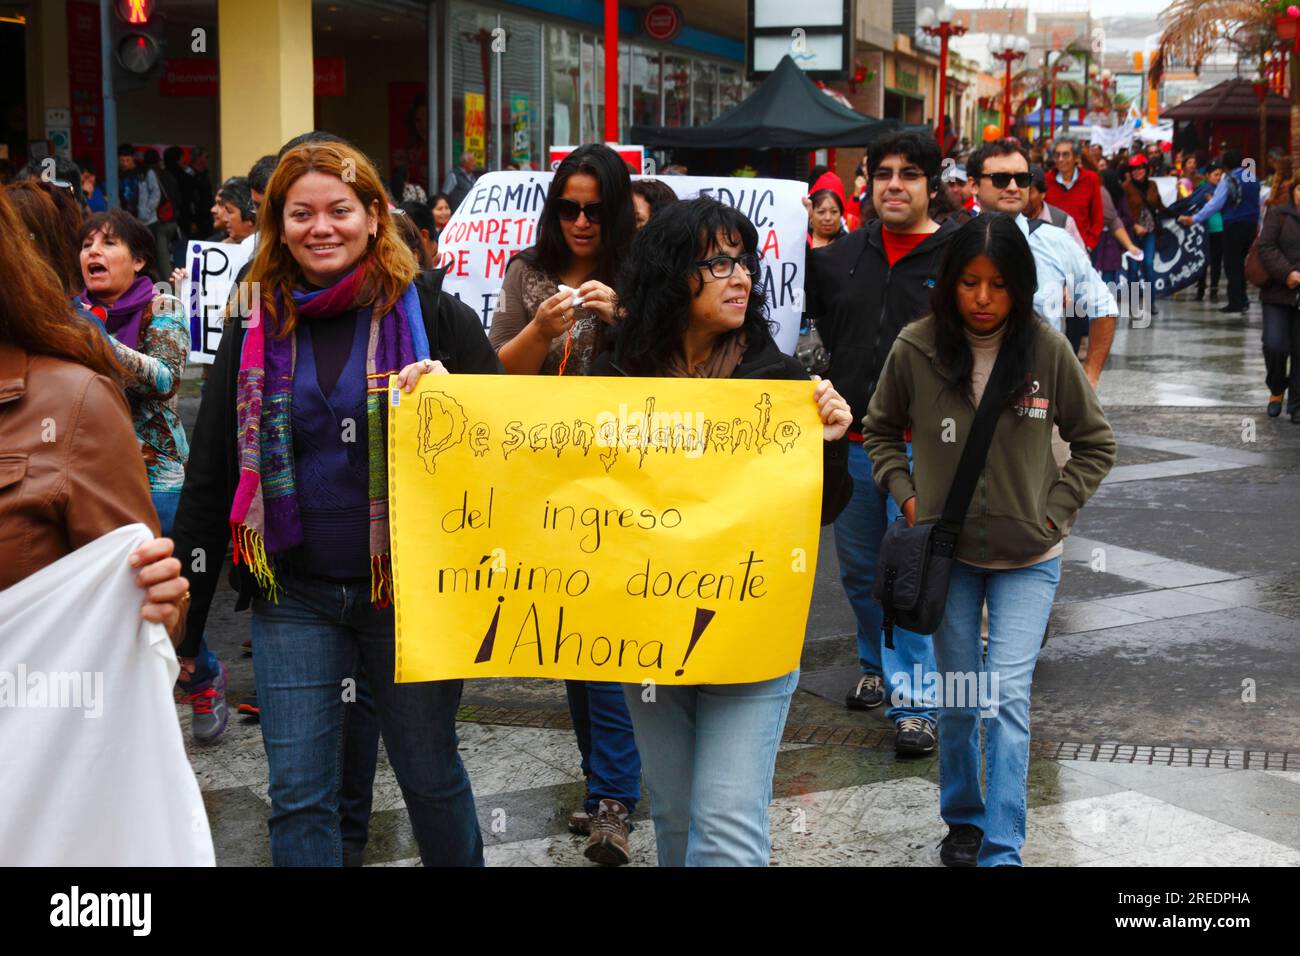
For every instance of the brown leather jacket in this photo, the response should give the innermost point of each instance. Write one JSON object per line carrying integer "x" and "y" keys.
{"x": 70, "y": 464}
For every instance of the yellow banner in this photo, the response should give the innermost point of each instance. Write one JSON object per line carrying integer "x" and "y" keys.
{"x": 603, "y": 529}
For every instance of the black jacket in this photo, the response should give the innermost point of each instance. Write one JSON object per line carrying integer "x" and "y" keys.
{"x": 860, "y": 304}
{"x": 763, "y": 359}
{"x": 202, "y": 524}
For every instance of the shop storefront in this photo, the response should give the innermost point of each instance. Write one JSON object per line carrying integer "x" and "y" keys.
{"x": 414, "y": 83}
{"x": 546, "y": 86}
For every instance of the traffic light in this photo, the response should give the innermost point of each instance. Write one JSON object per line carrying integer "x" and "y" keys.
{"x": 137, "y": 41}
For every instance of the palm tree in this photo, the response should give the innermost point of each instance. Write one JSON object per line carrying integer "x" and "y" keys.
{"x": 1194, "y": 29}
{"x": 1027, "y": 83}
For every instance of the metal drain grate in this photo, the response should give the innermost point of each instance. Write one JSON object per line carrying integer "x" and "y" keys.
{"x": 882, "y": 739}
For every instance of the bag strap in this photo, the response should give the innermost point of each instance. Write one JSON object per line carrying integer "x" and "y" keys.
{"x": 976, "y": 451}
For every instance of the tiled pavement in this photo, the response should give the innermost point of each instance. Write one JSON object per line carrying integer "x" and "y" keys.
{"x": 1171, "y": 670}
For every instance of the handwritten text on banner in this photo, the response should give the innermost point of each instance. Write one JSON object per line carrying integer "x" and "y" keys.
{"x": 603, "y": 529}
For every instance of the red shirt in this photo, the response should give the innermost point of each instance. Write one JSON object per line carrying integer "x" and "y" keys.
{"x": 1082, "y": 201}
{"x": 899, "y": 244}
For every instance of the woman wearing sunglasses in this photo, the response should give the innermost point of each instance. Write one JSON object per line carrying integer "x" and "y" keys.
{"x": 583, "y": 235}
{"x": 692, "y": 310}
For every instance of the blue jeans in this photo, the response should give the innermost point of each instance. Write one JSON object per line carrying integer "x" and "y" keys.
{"x": 206, "y": 665}
{"x": 304, "y": 649}
{"x": 360, "y": 758}
{"x": 1019, "y": 604}
{"x": 605, "y": 739}
{"x": 858, "y": 533}
{"x": 1146, "y": 269}
{"x": 709, "y": 752}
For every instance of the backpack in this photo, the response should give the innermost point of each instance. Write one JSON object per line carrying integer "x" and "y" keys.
{"x": 128, "y": 190}
{"x": 1234, "y": 190}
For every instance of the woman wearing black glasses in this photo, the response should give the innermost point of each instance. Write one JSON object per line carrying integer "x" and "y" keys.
{"x": 555, "y": 307}
{"x": 583, "y": 236}
{"x": 694, "y": 309}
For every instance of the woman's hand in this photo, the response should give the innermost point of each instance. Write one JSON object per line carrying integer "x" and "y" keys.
{"x": 599, "y": 298}
{"x": 909, "y": 511}
{"x": 178, "y": 276}
{"x": 1293, "y": 280}
{"x": 833, "y": 409}
{"x": 410, "y": 376}
{"x": 555, "y": 316}
{"x": 1141, "y": 231}
{"x": 160, "y": 576}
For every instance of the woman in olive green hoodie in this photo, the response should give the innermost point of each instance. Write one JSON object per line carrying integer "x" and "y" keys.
{"x": 1009, "y": 551}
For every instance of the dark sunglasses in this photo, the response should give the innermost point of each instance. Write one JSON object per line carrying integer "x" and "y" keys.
{"x": 569, "y": 211}
{"x": 1003, "y": 180}
{"x": 721, "y": 267}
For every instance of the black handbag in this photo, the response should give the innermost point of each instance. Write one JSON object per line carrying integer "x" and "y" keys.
{"x": 912, "y": 573}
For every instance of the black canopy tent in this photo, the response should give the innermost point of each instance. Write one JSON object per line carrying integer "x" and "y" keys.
{"x": 787, "y": 112}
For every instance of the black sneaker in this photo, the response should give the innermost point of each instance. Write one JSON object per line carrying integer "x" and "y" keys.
{"x": 961, "y": 847}
{"x": 869, "y": 692}
{"x": 915, "y": 737}
{"x": 1274, "y": 406}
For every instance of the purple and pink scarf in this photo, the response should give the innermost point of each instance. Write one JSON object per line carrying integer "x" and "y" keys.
{"x": 264, "y": 519}
{"x": 125, "y": 316}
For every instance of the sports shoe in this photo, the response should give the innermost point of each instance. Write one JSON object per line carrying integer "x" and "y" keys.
{"x": 607, "y": 844}
{"x": 209, "y": 708}
{"x": 1274, "y": 406}
{"x": 249, "y": 708}
{"x": 869, "y": 692}
{"x": 915, "y": 736}
{"x": 961, "y": 847}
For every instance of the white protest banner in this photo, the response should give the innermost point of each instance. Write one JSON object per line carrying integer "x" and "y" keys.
{"x": 93, "y": 770}
{"x": 210, "y": 270}
{"x": 499, "y": 218}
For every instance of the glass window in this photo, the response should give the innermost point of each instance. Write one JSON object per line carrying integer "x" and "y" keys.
{"x": 593, "y": 90}
{"x": 471, "y": 100}
{"x": 520, "y": 64}
{"x": 562, "y": 78}
{"x": 731, "y": 88}
{"x": 645, "y": 87}
{"x": 677, "y": 85}
{"x": 705, "y": 92}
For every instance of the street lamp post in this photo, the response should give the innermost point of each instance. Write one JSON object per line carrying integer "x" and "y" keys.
{"x": 1008, "y": 49}
{"x": 940, "y": 25}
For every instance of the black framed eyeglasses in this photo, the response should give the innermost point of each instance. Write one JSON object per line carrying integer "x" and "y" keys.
{"x": 569, "y": 211}
{"x": 1003, "y": 180}
{"x": 721, "y": 267}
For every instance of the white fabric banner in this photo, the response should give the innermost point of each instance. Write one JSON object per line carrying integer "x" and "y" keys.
{"x": 210, "y": 270}
{"x": 93, "y": 770}
{"x": 499, "y": 218}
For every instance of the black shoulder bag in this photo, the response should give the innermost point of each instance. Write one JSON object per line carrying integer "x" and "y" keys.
{"x": 912, "y": 574}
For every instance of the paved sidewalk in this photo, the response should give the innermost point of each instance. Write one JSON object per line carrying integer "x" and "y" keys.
{"x": 1165, "y": 701}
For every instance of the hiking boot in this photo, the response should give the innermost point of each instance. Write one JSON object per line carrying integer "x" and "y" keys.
{"x": 1274, "y": 406}
{"x": 607, "y": 844}
{"x": 915, "y": 737}
{"x": 869, "y": 692}
{"x": 580, "y": 822}
{"x": 961, "y": 847}
{"x": 210, "y": 710}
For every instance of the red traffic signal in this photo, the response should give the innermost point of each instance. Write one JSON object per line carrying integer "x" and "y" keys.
{"x": 138, "y": 12}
